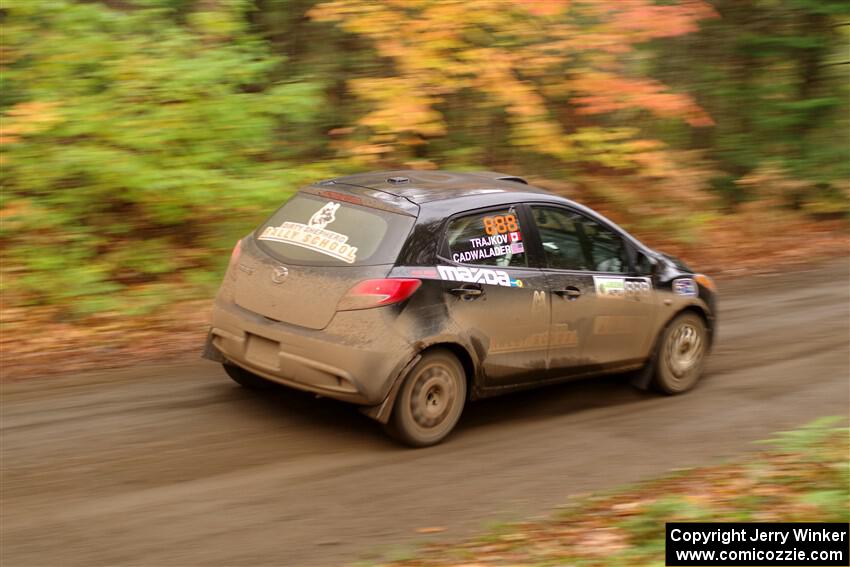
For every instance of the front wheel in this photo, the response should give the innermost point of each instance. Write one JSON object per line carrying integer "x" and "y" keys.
{"x": 430, "y": 401}
{"x": 681, "y": 354}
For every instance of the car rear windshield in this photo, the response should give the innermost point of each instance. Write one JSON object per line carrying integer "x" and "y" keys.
{"x": 316, "y": 231}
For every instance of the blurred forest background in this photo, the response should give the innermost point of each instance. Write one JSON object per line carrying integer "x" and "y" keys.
{"x": 141, "y": 138}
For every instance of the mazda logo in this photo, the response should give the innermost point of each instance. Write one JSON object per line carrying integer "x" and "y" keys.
{"x": 279, "y": 274}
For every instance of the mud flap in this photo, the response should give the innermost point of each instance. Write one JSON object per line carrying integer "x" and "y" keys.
{"x": 210, "y": 352}
{"x": 641, "y": 379}
{"x": 382, "y": 412}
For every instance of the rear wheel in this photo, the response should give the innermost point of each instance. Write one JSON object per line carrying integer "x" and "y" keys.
{"x": 245, "y": 378}
{"x": 430, "y": 401}
{"x": 681, "y": 354}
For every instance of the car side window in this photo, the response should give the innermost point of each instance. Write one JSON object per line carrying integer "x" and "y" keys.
{"x": 492, "y": 238}
{"x": 606, "y": 248}
{"x": 559, "y": 236}
{"x": 572, "y": 241}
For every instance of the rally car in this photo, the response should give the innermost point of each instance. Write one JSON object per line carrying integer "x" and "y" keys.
{"x": 410, "y": 292}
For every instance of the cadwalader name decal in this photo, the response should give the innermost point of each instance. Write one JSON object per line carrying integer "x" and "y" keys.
{"x": 314, "y": 235}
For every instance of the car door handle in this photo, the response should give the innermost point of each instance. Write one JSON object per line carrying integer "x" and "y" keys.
{"x": 465, "y": 292}
{"x": 571, "y": 293}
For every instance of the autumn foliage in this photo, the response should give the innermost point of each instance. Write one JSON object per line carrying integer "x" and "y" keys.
{"x": 141, "y": 138}
{"x": 558, "y": 71}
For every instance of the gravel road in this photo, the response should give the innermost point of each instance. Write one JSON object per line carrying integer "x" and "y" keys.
{"x": 176, "y": 465}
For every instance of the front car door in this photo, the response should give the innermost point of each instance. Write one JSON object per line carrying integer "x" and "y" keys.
{"x": 602, "y": 314}
{"x": 492, "y": 294}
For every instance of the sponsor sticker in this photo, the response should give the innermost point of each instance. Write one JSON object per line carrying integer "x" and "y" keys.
{"x": 314, "y": 235}
{"x": 621, "y": 288}
{"x": 477, "y": 275}
{"x": 685, "y": 286}
{"x": 610, "y": 287}
{"x": 616, "y": 324}
{"x": 563, "y": 337}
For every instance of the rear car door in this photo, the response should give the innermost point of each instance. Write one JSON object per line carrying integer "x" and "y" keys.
{"x": 601, "y": 315}
{"x": 492, "y": 294}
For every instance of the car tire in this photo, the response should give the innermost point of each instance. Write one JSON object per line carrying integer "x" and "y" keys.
{"x": 681, "y": 354}
{"x": 245, "y": 378}
{"x": 430, "y": 400}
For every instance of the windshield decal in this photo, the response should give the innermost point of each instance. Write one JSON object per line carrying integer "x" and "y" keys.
{"x": 314, "y": 235}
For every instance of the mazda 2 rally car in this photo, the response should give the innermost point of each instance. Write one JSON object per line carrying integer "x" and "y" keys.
{"x": 410, "y": 292}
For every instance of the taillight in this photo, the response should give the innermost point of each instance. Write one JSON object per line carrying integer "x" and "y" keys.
{"x": 234, "y": 256}
{"x": 376, "y": 293}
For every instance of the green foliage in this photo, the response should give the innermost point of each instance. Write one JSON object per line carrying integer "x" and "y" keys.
{"x": 649, "y": 526}
{"x": 775, "y": 77}
{"x": 131, "y": 142}
{"x": 809, "y": 438}
{"x": 832, "y": 503}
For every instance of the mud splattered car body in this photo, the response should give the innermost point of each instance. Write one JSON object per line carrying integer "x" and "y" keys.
{"x": 467, "y": 284}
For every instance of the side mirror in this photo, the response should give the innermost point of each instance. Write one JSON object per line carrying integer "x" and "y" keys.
{"x": 645, "y": 265}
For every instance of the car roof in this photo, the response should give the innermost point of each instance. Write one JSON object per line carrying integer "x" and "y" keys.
{"x": 420, "y": 186}
{"x": 456, "y": 189}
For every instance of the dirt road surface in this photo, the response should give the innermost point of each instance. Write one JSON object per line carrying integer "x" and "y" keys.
{"x": 178, "y": 466}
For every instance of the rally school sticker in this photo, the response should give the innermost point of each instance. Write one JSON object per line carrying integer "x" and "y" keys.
{"x": 314, "y": 235}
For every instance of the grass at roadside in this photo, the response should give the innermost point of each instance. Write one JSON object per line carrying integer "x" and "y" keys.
{"x": 802, "y": 475}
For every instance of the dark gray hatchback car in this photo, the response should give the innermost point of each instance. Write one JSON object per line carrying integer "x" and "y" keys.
{"x": 409, "y": 292}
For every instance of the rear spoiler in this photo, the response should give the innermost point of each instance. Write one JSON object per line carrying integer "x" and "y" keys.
{"x": 496, "y": 176}
{"x": 363, "y": 196}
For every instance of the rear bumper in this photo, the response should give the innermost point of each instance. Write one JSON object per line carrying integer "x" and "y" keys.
{"x": 355, "y": 359}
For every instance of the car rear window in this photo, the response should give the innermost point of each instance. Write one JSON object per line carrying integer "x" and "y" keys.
{"x": 317, "y": 231}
